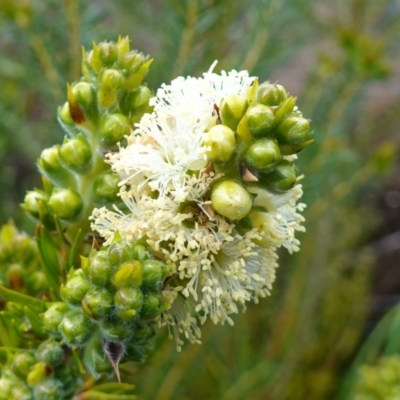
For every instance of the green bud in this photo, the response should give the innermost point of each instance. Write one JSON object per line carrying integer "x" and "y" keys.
{"x": 75, "y": 328}
{"x": 129, "y": 274}
{"x": 132, "y": 61}
{"x": 38, "y": 373}
{"x": 113, "y": 129}
{"x": 83, "y": 95}
{"x": 153, "y": 272}
{"x": 22, "y": 364}
{"x": 231, "y": 200}
{"x": 105, "y": 187}
{"x": 112, "y": 78}
{"x": 108, "y": 53}
{"x": 97, "y": 303}
{"x": 281, "y": 179}
{"x": 76, "y": 154}
{"x": 285, "y": 108}
{"x": 271, "y": 95}
{"x": 75, "y": 290}
{"x": 128, "y": 302}
{"x": 33, "y": 200}
{"x": 49, "y": 389}
{"x": 263, "y": 154}
{"x": 50, "y": 352}
{"x": 123, "y": 46}
{"x": 135, "y": 100}
{"x": 221, "y": 143}
{"x": 137, "y": 73}
{"x": 115, "y": 330}
{"x": 36, "y": 282}
{"x": 153, "y": 305}
{"x": 260, "y": 120}
{"x": 53, "y": 316}
{"x": 293, "y": 134}
{"x": 65, "y": 203}
{"x": 232, "y": 109}
{"x": 140, "y": 252}
{"x": 64, "y": 114}
{"x": 98, "y": 269}
{"x": 120, "y": 252}
{"x": 107, "y": 96}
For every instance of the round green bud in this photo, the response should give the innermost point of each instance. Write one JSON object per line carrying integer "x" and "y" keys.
{"x": 232, "y": 109}
{"x": 140, "y": 97}
{"x": 105, "y": 187}
{"x": 50, "y": 352}
{"x": 120, "y": 253}
{"x": 97, "y": 303}
{"x": 115, "y": 330}
{"x": 260, "y": 120}
{"x": 38, "y": 373}
{"x": 129, "y": 274}
{"x": 128, "y": 302}
{"x": 153, "y": 272}
{"x": 98, "y": 269}
{"x": 83, "y": 94}
{"x": 64, "y": 113}
{"x": 113, "y": 78}
{"x": 53, "y": 316}
{"x": 32, "y": 202}
{"x": 293, "y": 134}
{"x": 75, "y": 290}
{"x": 22, "y": 364}
{"x": 231, "y": 200}
{"x": 263, "y": 154}
{"x": 281, "y": 179}
{"x": 76, "y": 154}
{"x": 113, "y": 128}
{"x": 75, "y": 328}
{"x": 271, "y": 95}
{"x": 140, "y": 252}
{"x": 221, "y": 144}
{"x": 108, "y": 53}
{"x": 153, "y": 305}
{"x": 132, "y": 61}
{"x": 65, "y": 203}
{"x": 50, "y": 166}
{"x": 37, "y": 282}
{"x": 49, "y": 389}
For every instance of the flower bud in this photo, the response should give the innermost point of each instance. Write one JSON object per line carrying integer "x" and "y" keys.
{"x": 49, "y": 389}
{"x": 108, "y": 53}
{"x": 22, "y": 364}
{"x": 64, "y": 114}
{"x": 75, "y": 328}
{"x": 37, "y": 374}
{"x": 232, "y": 109}
{"x": 113, "y": 78}
{"x": 221, "y": 143}
{"x": 153, "y": 305}
{"x": 107, "y": 96}
{"x": 135, "y": 100}
{"x": 83, "y": 94}
{"x": 231, "y": 200}
{"x": 37, "y": 282}
{"x": 34, "y": 201}
{"x": 128, "y": 302}
{"x": 50, "y": 352}
{"x": 105, "y": 187}
{"x": 53, "y": 316}
{"x": 98, "y": 269}
{"x": 264, "y": 155}
{"x": 75, "y": 290}
{"x": 120, "y": 252}
{"x": 97, "y": 303}
{"x": 129, "y": 274}
{"x": 113, "y": 128}
{"x": 140, "y": 252}
{"x": 123, "y": 46}
{"x": 293, "y": 134}
{"x": 65, "y": 203}
{"x": 271, "y": 95}
{"x": 138, "y": 72}
{"x": 285, "y": 108}
{"x": 153, "y": 272}
{"x": 76, "y": 154}
{"x": 260, "y": 120}
{"x": 281, "y": 179}
{"x": 115, "y": 330}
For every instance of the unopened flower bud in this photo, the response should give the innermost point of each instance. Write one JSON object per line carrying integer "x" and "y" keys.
{"x": 107, "y": 96}
{"x": 113, "y": 128}
{"x": 64, "y": 114}
{"x": 137, "y": 72}
{"x": 231, "y": 200}
{"x": 97, "y": 303}
{"x": 76, "y": 154}
{"x": 75, "y": 290}
{"x": 293, "y": 134}
{"x": 282, "y": 178}
{"x": 50, "y": 352}
{"x": 49, "y": 389}
{"x": 132, "y": 61}
{"x": 270, "y": 94}
{"x": 65, "y": 203}
{"x": 75, "y": 328}
{"x": 120, "y": 252}
{"x": 34, "y": 201}
{"x": 22, "y": 364}
{"x": 38, "y": 373}
{"x": 98, "y": 269}
{"x": 221, "y": 144}
{"x": 108, "y": 53}
{"x": 51, "y": 167}
{"x": 264, "y": 155}
{"x": 115, "y": 330}
{"x": 140, "y": 252}
{"x": 153, "y": 272}
{"x": 232, "y": 109}
{"x": 53, "y": 316}
{"x": 260, "y": 120}
{"x": 128, "y": 302}
{"x": 135, "y": 100}
{"x": 285, "y": 108}
{"x": 83, "y": 94}
{"x": 129, "y": 274}
{"x": 153, "y": 305}
{"x": 113, "y": 78}
{"x": 105, "y": 187}
{"x": 123, "y": 46}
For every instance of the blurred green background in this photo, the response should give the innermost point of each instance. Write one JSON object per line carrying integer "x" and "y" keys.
{"x": 342, "y": 59}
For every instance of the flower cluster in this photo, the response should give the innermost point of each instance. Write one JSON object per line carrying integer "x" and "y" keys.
{"x": 209, "y": 183}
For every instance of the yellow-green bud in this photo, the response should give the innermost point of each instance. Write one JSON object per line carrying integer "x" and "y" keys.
{"x": 261, "y": 221}
{"x": 270, "y": 94}
{"x": 50, "y": 166}
{"x": 134, "y": 101}
{"x": 132, "y": 61}
{"x": 64, "y": 114}
{"x": 221, "y": 144}
{"x": 113, "y": 78}
{"x": 231, "y": 200}
{"x": 105, "y": 187}
{"x": 260, "y": 120}
{"x": 38, "y": 373}
{"x": 75, "y": 328}
{"x": 281, "y": 179}
{"x": 50, "y": 352}
{"x": 128, "y": 302}
{"x": 153, "y": 305}
{"x": 97, "y": 303}
{"x": 140, "y": 252}
{"x": 76, "y": 154}
{"x": 75, "y": 290}
{"x": 293, "y": 134}
{"x": 154, "y": 272}
{"x": 119, "y": 253}
{"x": 129, "y": 274}
{"x": 65, "y": 203}
{"x": 115, "y": 330}
{"x": 83, "y": 94}
{"x": 98, "y": 269}
{"x": 232, "y": 109}
{"x": 49, "y": 389}
{"x": 22, "y": 364}
{"x": 53, "y": 316}
{"x": 33, "y": 200}
{"x": 108, "y": 53}
{"x": 123, "y": 46}
{"x": 285, "y": 108}
{"x": 264, "y": 155}
{"x": 113, "y": 128}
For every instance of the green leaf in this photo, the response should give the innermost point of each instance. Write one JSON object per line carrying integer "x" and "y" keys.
{"x": 33, "y": 303}
{"x": 114, "y": 388}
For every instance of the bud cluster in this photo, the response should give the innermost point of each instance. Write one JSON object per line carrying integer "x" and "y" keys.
{"x": 112, "y": 298}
